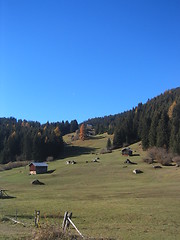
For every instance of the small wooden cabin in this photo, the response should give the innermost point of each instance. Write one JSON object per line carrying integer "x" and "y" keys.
{"x": 38, "y": 168}
{"x": 127, "y": 151}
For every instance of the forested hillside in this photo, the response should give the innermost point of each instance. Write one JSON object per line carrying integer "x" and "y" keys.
{"x": 156, "y": 123}
{"x": 26, "y": 140}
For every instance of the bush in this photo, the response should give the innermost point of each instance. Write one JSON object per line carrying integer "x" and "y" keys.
{"x": 50, "y": 159}
{"x": 148, "y": 160}
{"x": 105, "y": 150}
{"x": 54, "y": 232}
{"x": 160, "y": 155}
{"x": 176, "y": 159}
{"x": 153, "y": 153}
{"x": 11, "y": 165}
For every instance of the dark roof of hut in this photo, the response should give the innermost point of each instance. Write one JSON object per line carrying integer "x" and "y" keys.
{"x": 39, "y": 164}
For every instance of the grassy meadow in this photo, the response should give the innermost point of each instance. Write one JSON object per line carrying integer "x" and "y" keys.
{"x": 106, "y": 198}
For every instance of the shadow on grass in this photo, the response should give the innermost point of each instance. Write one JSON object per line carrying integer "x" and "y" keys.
{"x": 4, "y": 195}
{"x": 7, "y": 197}
{"x": 42, "y": 216}
{"x": 21, "y": 216}
{"x": 50, "y": 171}
{"x": 135, "y": 155}
{"x": 73, "y": 151}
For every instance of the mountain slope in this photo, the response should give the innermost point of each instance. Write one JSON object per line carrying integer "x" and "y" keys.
{"x": 156, "y": 123}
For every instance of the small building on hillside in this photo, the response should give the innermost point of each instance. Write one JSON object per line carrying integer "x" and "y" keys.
{"x": 127, "y": 151}
{"x": 38, "y": 168}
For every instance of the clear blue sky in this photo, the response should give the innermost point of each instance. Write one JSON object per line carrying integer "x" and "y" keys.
{"x": 79, "y": 59}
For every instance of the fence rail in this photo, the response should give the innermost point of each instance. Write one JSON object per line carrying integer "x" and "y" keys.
{"x": 67, "y": 221}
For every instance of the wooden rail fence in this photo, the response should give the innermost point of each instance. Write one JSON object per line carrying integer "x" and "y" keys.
{"x": 67, "y": 221}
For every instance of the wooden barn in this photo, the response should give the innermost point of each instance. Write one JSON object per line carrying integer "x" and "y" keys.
{"x": 127, "y": 151}
{"x": 38, "y": 168}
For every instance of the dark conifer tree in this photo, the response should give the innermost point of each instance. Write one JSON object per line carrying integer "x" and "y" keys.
{"x": 153, "y": 130}
{"x": 175, "y": 130}
{"x": 37, "y": 148}
{"x": 119, "y": 138}
{"x": 27, "y": 147}
{"x": 163, "y": 131}
{"x": 145, "y": 132}
{"x": 67, "y": 127}
{"x": 108, "y": 145}
{"x": 73, "y": 126}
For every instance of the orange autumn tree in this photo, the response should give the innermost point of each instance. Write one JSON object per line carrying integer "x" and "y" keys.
{"x": 82, "y": 132}
{"x": 171, "y": 108}
{"x": 57, "y": 132}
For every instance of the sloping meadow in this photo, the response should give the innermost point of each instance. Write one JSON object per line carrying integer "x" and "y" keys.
{"x": 107, "y": 200}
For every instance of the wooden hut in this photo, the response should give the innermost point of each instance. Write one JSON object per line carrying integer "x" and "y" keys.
{"x": 38, "y": 168}
{"x": 127, "y": 151}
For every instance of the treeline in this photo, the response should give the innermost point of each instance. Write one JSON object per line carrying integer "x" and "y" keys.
{"x": 156, "y": 123}
{"x": 26, "y": 140}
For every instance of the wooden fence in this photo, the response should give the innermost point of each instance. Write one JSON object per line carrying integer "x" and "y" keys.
{"x": 67, "y": 221}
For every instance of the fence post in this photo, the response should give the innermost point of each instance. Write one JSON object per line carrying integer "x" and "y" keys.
{"x": 75, "y": 227}
{"x": 16, "y": 215}
{"x": 67, "y": 223}
{"x": 37, "y": 219}
{"x": 64, "y": 221}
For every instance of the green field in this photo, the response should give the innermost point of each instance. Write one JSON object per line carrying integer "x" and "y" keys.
{"x": 106, "y": 198}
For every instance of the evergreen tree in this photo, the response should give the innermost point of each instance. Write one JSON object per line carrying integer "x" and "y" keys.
{"x": 37, "y": 148}
{"x": 108, "y": 145}
{"x": 14, "y": 145}
{"x": 73, "y": 126}
{"x": 145, "y": 133}
{"x": 97, "y": 127}
{"x": 163, "y": 131}
{"x": 119, "y": 138}
{"x": 67, "y": 127}
{"x": 153, "y": 130}
{"x": 175, "y": 130}
{"x": 27, "y": 147}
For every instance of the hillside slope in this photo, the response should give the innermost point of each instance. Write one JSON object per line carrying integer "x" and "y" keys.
{"x": 156, "y": 123}
{"x": 106, "y": 198}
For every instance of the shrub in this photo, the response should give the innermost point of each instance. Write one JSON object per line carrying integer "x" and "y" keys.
{"x": 176, "y": 159}
{"x": 50, "y": 159}
{"x": 11, "y": 165}
{"x": 52, "y": 232}
{"x": 148, "y": 160}
{"x": 153, "y": 153}
{"x": 160, "y": 155}
{"x": 105, "y": 150}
